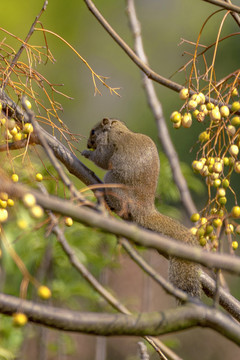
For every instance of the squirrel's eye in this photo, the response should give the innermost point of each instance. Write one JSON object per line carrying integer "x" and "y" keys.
{"x": 92, "y": 132}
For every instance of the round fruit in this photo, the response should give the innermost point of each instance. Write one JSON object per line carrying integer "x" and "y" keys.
{"x": 217, "y": 183}
{"x": 36, "y": 211}
{"x": 222, "y": 200}
{"x": 27, "y": 128}
{"x": 235, "y": 212}
{"x": 226, "y": 161}
{"x": 231, "y": 130}
{"x": 221, "y": 192}
{"x": 234, "y": 245}
{"x": 192, "y": 104}
{"x": 209, "y": 229}
{"x": 14, "y": 177}
{"x": 235, "y": 121}
{"x": 44, "y": 292}
{"x": 187, "y": 120}
{"x": 29, "y": 200}
{"x": 215, "y": 114}
{"x": 68, "y": 221}
{"x": 217, "y": 223}
{"x": 210, "y": 106}
{"x": 202, "y": 98}
{"x": 235, "y": 106}
{"x": 19, "y": 319}
{"x": 28, "y": 104}
{"x": 202, "y": 241}
{"x": 177, "y": 125}
{"x": 39, "y": 177}
{"x": 176, "y": 117}
{"x": 237, "y": 230}
{"x": 3, "y": 215}
{"x": 225, "y": 183}
{"x": 234, "y": 92}
{"x": 224, "y": 111}
{"x": 234, "y": 150}
{"x": 204, "y": 136}
{"x": 184, "y": 94}
{"x": 237, "y": 167}
{"x": 195, "y": 217}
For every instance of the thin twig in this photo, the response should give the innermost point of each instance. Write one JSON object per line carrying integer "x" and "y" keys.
{"x": 22, "y": 47}
{"x": 224, "y": 5}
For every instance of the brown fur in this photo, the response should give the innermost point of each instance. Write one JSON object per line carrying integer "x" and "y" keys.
{"x": 132, "y": 160}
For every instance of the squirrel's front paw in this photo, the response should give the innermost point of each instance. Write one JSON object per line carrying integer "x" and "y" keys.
{"x": 86, "y": 153}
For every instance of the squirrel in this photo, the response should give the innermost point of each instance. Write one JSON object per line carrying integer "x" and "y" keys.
{"x": 132, "y": 161}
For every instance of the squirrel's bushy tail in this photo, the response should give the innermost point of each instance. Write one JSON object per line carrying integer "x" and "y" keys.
{"x": 185, "y": 275}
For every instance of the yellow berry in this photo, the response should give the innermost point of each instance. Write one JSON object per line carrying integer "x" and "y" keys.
{"x": 192, "y": 104}
{"x": 29, "y": 200}
{"x": 3, "y": 196}
{"x": 11, "y": 124}
{"x": 235, "y": 121}
{"x": 14, "y": 131}
{"x": 187, "y": 120}
{"x": 37, "y": 211}
{"x": 234, "y": 92}
{"x": 44, "y": 292}
{"x": 39, "y": 177}
{"x": 0, "y": 107}
{"x": 209, "y": 229}
{"x": 229, "y": 229}
{"x": 221, "y": 192}
{"x": 224, "y": 111}
{"x": 204, "y": 136}
{"x": 184, "y": 94}
{"x": 235, "y": 212}
{"x": 3, "y": 121}
{"x": 234, "y": 245}
{"x": 3, "y": 215}
{"x": 235, "y": 106}
{"x": 202, "y": 98}
{"x": 177, "y": 125}
{"x": 217, "y": 183}
{"x": 215, "y": 114}
{"x": 27, "y": 128}
{"x": 202, "y": 241}
{"x": 237, "y": 167}
{"x": 234, "y": 150}
{"x": 210, "y": 106}
{"x": 28, "y": 104}
{"x": 222, "y": 200}
{"x": 193, "y": 230}
{"x": 22, "y": 224}
{"x": 3, "y": 203}
{"x": 217, "y": 223}
{"x": 225, "y": 183}
{"x": 195, "y": 217}
{"x": 203, "y": 221}
{"x": 176, "y": 117}
{"x": 200, "y": 232}
{"x": 68, "y": 221}
{"x": 19, "y": 319}
{"x": 14, "y": 177}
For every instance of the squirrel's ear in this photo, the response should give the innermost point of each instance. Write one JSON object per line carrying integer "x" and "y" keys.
{"x": 105, "y": 121}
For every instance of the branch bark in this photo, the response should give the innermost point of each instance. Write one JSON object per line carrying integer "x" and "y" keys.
{"x": 106, "y": 324}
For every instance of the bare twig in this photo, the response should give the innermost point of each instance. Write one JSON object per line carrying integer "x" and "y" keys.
{"x": 156, "y": 108}
{"x": 224, "y": 5}
{"x": 18, "y": 54}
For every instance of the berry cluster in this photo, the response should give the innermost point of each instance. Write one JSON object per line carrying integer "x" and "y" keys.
{"x": 216, "y": 160}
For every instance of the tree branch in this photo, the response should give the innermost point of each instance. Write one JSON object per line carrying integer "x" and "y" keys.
{"x": 106, "y": 324}
{"x": 133, "y": 232}
{"x": 224, "y": 5}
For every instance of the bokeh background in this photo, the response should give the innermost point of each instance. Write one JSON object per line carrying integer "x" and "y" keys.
{"x": 164, "y": 23}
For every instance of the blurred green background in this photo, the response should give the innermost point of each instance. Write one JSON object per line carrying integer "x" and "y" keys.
{"x": 164, "y": 23}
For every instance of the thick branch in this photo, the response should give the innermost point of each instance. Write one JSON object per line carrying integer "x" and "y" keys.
{"x": 106, "y": 324}
{"x": 133, "y": 232}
